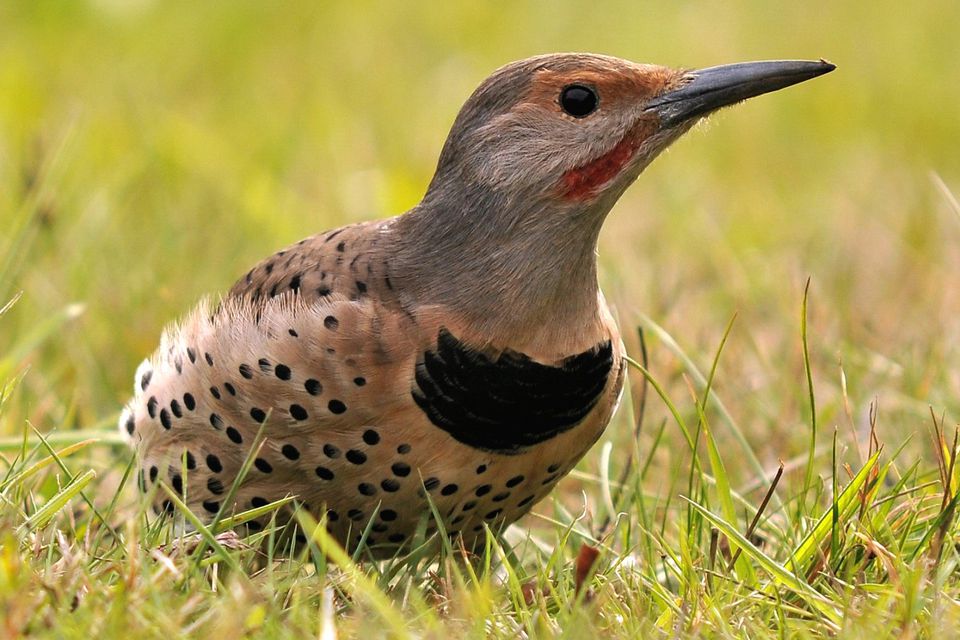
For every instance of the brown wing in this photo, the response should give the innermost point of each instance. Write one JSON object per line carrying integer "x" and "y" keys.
{"x": 341, "y": 262}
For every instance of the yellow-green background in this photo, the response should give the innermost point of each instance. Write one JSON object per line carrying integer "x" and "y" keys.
{"x": 151, "y": 151}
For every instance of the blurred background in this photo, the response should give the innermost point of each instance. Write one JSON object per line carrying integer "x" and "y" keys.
{"x": 151, "y": 151}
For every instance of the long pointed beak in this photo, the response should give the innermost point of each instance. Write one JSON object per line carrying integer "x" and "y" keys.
{"x": 715, "y": 87}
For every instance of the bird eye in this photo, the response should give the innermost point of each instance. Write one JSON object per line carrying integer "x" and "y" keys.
{"x": 578, "y": 100}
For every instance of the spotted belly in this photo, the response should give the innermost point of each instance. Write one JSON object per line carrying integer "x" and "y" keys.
{"x": 389, "y": 490}
{"x": 371, "y": 441}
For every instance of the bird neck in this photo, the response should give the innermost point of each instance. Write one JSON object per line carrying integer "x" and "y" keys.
{"x": 517, "y": 270}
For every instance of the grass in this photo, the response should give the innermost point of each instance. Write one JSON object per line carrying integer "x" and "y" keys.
{"x": 784, "y": 462}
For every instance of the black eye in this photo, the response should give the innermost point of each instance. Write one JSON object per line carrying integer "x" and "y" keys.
{"x": 578, "y": 100}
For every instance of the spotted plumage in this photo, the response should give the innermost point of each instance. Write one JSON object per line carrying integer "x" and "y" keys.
{"x": 457, "y": 360}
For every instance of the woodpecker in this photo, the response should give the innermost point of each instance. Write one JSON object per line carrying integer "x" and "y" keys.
{"x": 453, "y": 362}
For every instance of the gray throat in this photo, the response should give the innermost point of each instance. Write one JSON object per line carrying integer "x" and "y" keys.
{"x": 510, "y": 265}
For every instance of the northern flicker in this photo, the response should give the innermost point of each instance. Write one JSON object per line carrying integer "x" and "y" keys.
{"x": 461, "y": 353}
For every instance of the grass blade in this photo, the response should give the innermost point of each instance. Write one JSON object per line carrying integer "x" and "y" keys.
{"x": 844, "y": 504}
{"x": 44, "y": 514}
{"x": 778, "y": 572}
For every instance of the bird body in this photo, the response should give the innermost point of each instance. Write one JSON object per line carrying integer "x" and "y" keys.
{"x": 460, "y": 354}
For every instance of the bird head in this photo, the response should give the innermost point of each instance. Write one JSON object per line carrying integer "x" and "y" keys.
{"x": 574, "y": 130}
{"x": 536, "y": 158}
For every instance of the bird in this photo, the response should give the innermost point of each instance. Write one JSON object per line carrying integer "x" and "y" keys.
{"x": 439, "y": 371}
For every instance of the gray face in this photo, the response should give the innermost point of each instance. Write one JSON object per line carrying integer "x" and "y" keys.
{"x": 517, "y": 133}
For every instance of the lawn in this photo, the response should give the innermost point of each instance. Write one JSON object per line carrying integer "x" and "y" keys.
{"x": 785, "y": 278}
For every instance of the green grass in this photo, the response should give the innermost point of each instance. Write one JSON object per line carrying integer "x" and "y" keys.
{"x": 792, "y": 266}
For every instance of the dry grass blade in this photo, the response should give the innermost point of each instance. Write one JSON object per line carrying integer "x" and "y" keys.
{"x": 759, "y": 514}
{"x": 586, "y": 559}
{"x": 947, "y": 193}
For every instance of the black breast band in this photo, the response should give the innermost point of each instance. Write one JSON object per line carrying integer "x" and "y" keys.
{"x": 510, "y": 403}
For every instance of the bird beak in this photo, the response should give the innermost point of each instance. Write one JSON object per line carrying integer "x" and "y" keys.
{"x": 715, "y": 87}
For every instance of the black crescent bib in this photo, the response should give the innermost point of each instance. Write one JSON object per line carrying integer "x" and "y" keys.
{"x": 507, "y": 404}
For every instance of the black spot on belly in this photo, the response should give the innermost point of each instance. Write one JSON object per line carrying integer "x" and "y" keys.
{"x": 514, "y": 481}
{"x": 298, "y": 412}
{"x": 214, "y": 463}
{"x": 331, "y": 451}
{"x": 449, "y": 490}
{"x": 512, "y": 402}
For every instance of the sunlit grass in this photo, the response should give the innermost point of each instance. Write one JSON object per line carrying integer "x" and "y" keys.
{"x": 791, "y": 264}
